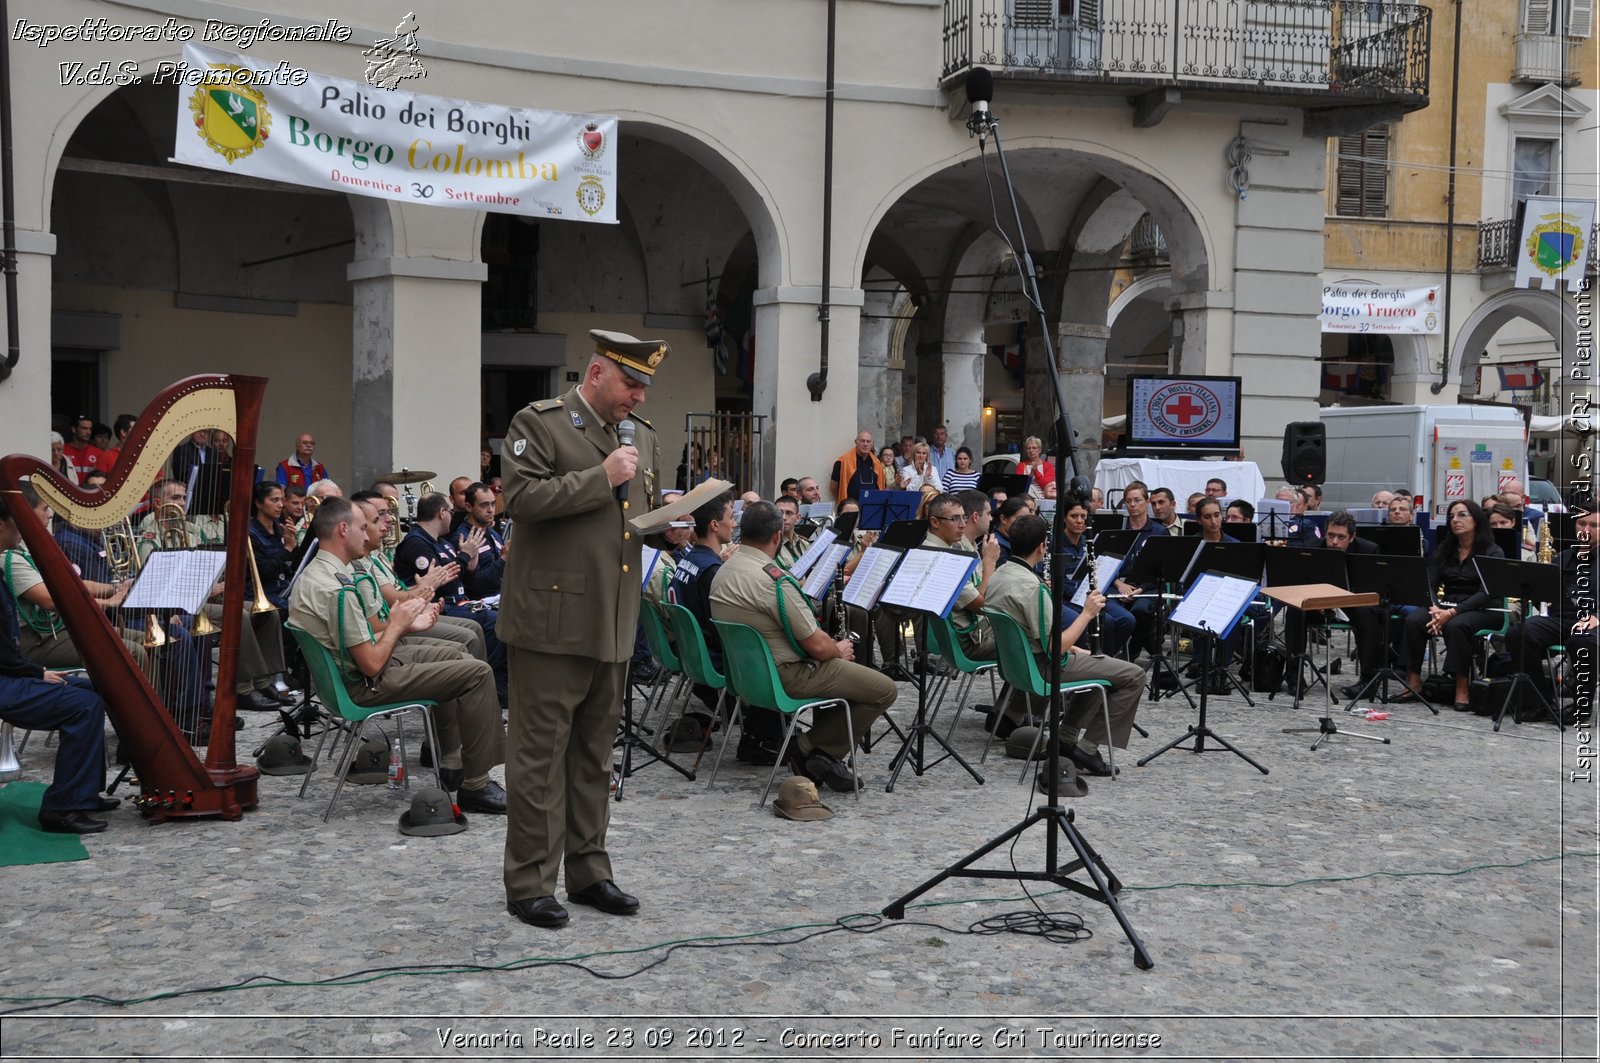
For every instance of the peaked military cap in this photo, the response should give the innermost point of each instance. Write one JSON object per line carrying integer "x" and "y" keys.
{"x": 638, "y": 358}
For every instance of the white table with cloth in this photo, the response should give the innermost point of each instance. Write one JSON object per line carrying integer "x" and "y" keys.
{"x": 1182, "y": 478}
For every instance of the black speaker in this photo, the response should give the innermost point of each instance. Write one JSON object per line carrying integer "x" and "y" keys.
{"x": 1305, "y": 452}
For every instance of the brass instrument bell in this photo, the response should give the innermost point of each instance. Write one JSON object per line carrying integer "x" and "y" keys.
{"x": 260, "y": 604}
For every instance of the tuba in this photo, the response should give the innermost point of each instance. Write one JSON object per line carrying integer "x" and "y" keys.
{"x": 173, "y": 779}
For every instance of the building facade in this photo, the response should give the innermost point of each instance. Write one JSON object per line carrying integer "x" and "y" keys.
{"x": 405, "y": 334}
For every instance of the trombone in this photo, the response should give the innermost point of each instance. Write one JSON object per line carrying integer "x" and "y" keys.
{"x": 173, "y": 532}
{"x": 122, "y": 555}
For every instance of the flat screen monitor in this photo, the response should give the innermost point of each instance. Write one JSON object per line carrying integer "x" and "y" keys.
{"x": 1199, "y": 413}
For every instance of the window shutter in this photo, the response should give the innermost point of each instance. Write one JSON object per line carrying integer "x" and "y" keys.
{"x": 1036, "y": 13}
{"x": 1375, "y": 172}
{"x": 1580, "y": 18}
{"x": 1536, "y": 16}
{"x": 1089, "y": 14}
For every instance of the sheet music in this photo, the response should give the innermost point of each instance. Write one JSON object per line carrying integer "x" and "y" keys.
{"x": 929, "y": 580}
{"x": 820, "y": 545}
{"x": 177, "y": 579}
{"x": 816, "y": 510}
{"x": 1106, "y": 568}
{"x": 1214, "y": 603}
{"x": 867, "y": 581}
{"x": 647, "y": 564}
{"x": 823, "y": 572}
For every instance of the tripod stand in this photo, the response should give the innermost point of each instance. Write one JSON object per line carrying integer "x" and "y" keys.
{"x": 913, "y": 749}
{"x": 1323, "y": 596}
{"x": 630, "y": 740}
{"x": 1199, "y": 731}
{"x": 1162, "y": 563}
{"x": 1057, "y": 821}
{"x": 1396, "y": 581}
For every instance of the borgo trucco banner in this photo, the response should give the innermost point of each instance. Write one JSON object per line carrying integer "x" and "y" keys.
{"x": 1354, "y": 306}
{"x": 236, "y": 114}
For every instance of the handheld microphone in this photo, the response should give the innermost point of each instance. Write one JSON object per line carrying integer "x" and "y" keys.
{"x": 625, "y": 430}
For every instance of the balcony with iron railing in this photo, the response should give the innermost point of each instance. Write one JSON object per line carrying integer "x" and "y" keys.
{"x": 1310, "y": 53}
{"x": 1497, "y": 246}
{"x": 1543, "y": 58}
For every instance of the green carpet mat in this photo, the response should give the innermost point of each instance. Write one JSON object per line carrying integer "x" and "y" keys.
{"x": 21, "y": 840}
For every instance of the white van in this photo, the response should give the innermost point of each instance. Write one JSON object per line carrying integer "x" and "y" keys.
{"x": 1440, "y": 453}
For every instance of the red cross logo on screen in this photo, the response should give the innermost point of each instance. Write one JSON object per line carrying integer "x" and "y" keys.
{"x": 1185, "y": 410}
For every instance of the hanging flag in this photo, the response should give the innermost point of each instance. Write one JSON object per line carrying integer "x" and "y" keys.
{"x": 1524, "y": 377}
{"x": 1340, "y": 376}
{"x": 1555, "y": 241}
{"x": 1010, "y": 356}
{"x": 714, "y": 327}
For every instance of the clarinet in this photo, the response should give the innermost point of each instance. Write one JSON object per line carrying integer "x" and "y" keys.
{"x": 1094, "y": 630}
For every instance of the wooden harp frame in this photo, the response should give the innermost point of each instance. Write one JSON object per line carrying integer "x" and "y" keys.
{"x": 172, "y": 780}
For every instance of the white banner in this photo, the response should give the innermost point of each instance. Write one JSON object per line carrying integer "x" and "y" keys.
{"x": 1351, "y": 306}
{"x": 236, "y": 115}
{"x": 1555, "y": 241}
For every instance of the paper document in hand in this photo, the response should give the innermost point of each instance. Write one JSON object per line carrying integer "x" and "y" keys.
{"x": 819, "y": 546}
{"x": 929, "y": 580}
{"x": 660, "y": 519}
{"x": 866, "y": 582}
{"x": 824, "y": 570}
{"x": 176, "y": 579}
{"x": 1105, "y": 574}
{"x": 1215, "y": 603}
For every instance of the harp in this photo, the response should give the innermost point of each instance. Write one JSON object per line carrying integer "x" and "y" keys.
{"x": 173, "y": 781}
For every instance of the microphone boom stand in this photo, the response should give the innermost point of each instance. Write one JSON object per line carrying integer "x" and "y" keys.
{"x": 1057, "y": 821}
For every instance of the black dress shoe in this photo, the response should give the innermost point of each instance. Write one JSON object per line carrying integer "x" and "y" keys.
{"x": 1002, "y": 726}
{"x": 831, "y": 772}
{"x": 490, "y": 799}
{"x": 70, "y": 823}
{"x": 753, "y": 751}
{"x": 1091, "y": 763}
{"x": 1350, "y": 690}
{"x": 425, "y": 755}
{"x": 106, "y": 804}
{"x": 539, "y": 911}
{"x": 451, "y": 778}
{"x": 257, "y": 701}
{"x": 605, "y": 896}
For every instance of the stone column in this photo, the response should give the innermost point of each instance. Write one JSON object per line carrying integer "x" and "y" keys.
{"x": 802, "y": 437}
{"x": 1081, "y": 356}
{"x": 417, "y": 366}
{"x": 25, "y": 394}
{"x": 963, "y": 396}
{"x": 878, "y": 397}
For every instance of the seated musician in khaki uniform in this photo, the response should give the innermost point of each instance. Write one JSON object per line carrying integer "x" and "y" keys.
{"x": 381, "y": 591}
{"x": 948, "y": 523}
{"x": 792, "y": 546}
{"x": 752, "y": 588}
{"x": 377, "y": 668}
{"x": 1017, "y": 591}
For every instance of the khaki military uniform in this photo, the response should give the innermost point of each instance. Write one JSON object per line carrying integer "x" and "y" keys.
{"x": 372, "y": 574}
{"x": 43, "y": 635}
{"x": 569, "y": 612}
{"x": 977, "y": 637}
{"x": 1016, "y": 591}
{"x": 326, "y": 605}
{"x": 751, "y": 588}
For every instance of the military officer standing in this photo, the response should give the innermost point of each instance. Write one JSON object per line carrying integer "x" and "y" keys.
{"x": 569, "y": 613}
{"x": 752, "y": 588}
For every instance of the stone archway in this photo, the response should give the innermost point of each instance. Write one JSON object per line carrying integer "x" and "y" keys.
{"x": 1545, "y": 309}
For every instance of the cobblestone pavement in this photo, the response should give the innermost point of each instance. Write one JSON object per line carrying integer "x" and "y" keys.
{"x": 1363, "y": 900}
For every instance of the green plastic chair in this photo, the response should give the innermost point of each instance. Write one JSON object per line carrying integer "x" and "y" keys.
{"x": 753, "y": 678}
{"x": 336, "y": 702}
{"x": 696, "y": 658}
{"x": 1019, "y": 669}
{"x": 947, "y": 644}
{"x": 669, "y": 664}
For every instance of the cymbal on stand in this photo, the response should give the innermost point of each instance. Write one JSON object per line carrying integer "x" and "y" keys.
{"x": 408, "y": 476}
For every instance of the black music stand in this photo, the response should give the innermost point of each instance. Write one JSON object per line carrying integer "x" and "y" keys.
{"x": 1100, "y": 523}
{"x": 879, "y": 509}
{"x": 1115, "y": 542}
{"x": 1209, "y": 625}
{"x": 1316, "y": 597}
{"x": 1528, "y": 582}
{"x": 1396, "y": 581}
{"x": 1395, "y": 540}
{"x": 1012, "y": 483}
{"x": 913, "y": 749}
{"x": 1240, "y": 561}
{"x": 1162, "y": 560}
{"x": 1293, "y": 566}
{"x": 900, "y": 535}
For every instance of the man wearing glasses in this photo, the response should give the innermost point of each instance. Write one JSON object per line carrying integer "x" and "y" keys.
{"x": 948, "y": 520}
